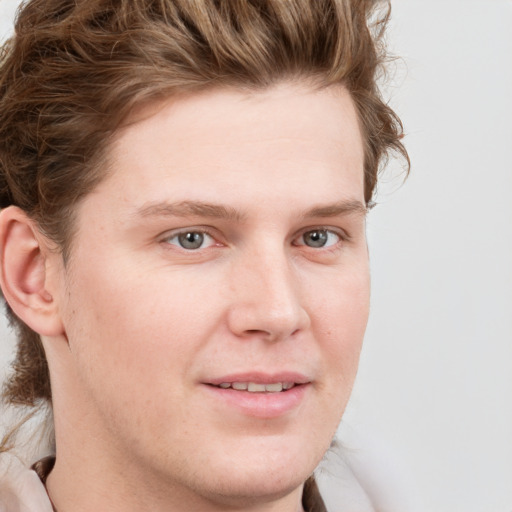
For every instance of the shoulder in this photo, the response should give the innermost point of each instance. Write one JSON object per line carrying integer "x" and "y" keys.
{"x": 21, "y": 490}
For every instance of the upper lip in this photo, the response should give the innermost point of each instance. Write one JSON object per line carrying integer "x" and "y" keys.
{"x": 260, "y": 378}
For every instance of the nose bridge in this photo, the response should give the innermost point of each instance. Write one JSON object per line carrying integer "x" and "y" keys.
{"x": 273, "y": 273}
{"x": 267, "y": 301}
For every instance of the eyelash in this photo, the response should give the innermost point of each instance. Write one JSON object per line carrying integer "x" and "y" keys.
{"x": 205, "y": 233}
{"x": 330, "y": 233}
{"x": 197, "y": 231}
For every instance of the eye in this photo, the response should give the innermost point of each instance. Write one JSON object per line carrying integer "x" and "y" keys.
{"x": 191, "y": 240}
{"x": 318, "y": 238}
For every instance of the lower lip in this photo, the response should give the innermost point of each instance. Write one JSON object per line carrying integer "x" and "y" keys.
{"x": 261, "y": 405}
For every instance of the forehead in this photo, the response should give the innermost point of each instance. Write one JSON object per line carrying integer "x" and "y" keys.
{"x": 288, "y": 109}
{"x": 240, "y": 144}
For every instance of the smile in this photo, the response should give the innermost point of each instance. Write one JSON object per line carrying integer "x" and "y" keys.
{"x": 266, "y": 400}
{"x": 255, "y": 387}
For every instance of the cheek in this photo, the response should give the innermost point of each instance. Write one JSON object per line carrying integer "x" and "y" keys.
{"x": 128, "y": 354}
{"x": 339, "y": 324}
{"x": 146, "y": 325}
{"x": 341, "y": 320}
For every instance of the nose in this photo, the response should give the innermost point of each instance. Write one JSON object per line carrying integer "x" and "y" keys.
{"x": 266, "y": 301}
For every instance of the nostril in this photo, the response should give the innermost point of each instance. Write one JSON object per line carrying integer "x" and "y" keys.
{"x": 268, "y": 335}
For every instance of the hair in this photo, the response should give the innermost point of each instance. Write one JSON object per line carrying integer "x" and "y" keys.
{"x": 75, "y": 69}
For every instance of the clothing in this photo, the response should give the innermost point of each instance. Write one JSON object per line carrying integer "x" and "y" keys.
{"x": 23, "y": 490}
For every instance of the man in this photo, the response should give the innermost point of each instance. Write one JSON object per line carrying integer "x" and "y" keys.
{"x": 183, "y": 242}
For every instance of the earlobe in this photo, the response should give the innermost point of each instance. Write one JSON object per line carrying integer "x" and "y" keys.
{"x": 23, "y": 272}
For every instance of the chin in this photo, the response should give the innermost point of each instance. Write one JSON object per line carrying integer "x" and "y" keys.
{"x": 253, "y": 487}
{"x": 262, "y": 475}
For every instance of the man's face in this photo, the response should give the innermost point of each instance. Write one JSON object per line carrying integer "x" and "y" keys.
{"x": 217, "y": 292}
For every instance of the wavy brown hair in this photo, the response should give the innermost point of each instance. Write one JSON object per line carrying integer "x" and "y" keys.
{"x": 75, "y": 69}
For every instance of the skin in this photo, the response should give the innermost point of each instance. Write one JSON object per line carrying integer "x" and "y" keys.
{"x": 143, "y": 325}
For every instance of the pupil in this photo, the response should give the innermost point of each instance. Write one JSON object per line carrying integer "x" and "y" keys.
{"x": 316, "y": 238}
{"x": 191, "y": 240}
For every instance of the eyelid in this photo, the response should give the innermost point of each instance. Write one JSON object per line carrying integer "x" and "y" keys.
{"x": 204, "y": 230}
{"x": 217, "y": 239}
{"x": 341, "y": 233}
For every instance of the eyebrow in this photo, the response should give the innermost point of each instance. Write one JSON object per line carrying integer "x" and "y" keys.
{"x": 189, "y": 209}
{"x": 338, "y": 209}
{"x": 217, "y": 211}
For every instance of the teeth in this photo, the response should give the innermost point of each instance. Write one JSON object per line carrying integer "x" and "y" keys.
{"x": 255, "y": 387}
{"x": 274, "y": 388}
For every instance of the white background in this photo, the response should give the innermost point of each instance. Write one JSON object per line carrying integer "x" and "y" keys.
{"x": 434, "y": 389}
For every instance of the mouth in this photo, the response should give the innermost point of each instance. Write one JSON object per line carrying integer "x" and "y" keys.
{"x": 257, "y": 387}
{"x": 260, "y": 395}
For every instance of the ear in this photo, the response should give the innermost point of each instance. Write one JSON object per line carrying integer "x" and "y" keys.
{"x": 24, "y": 254}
